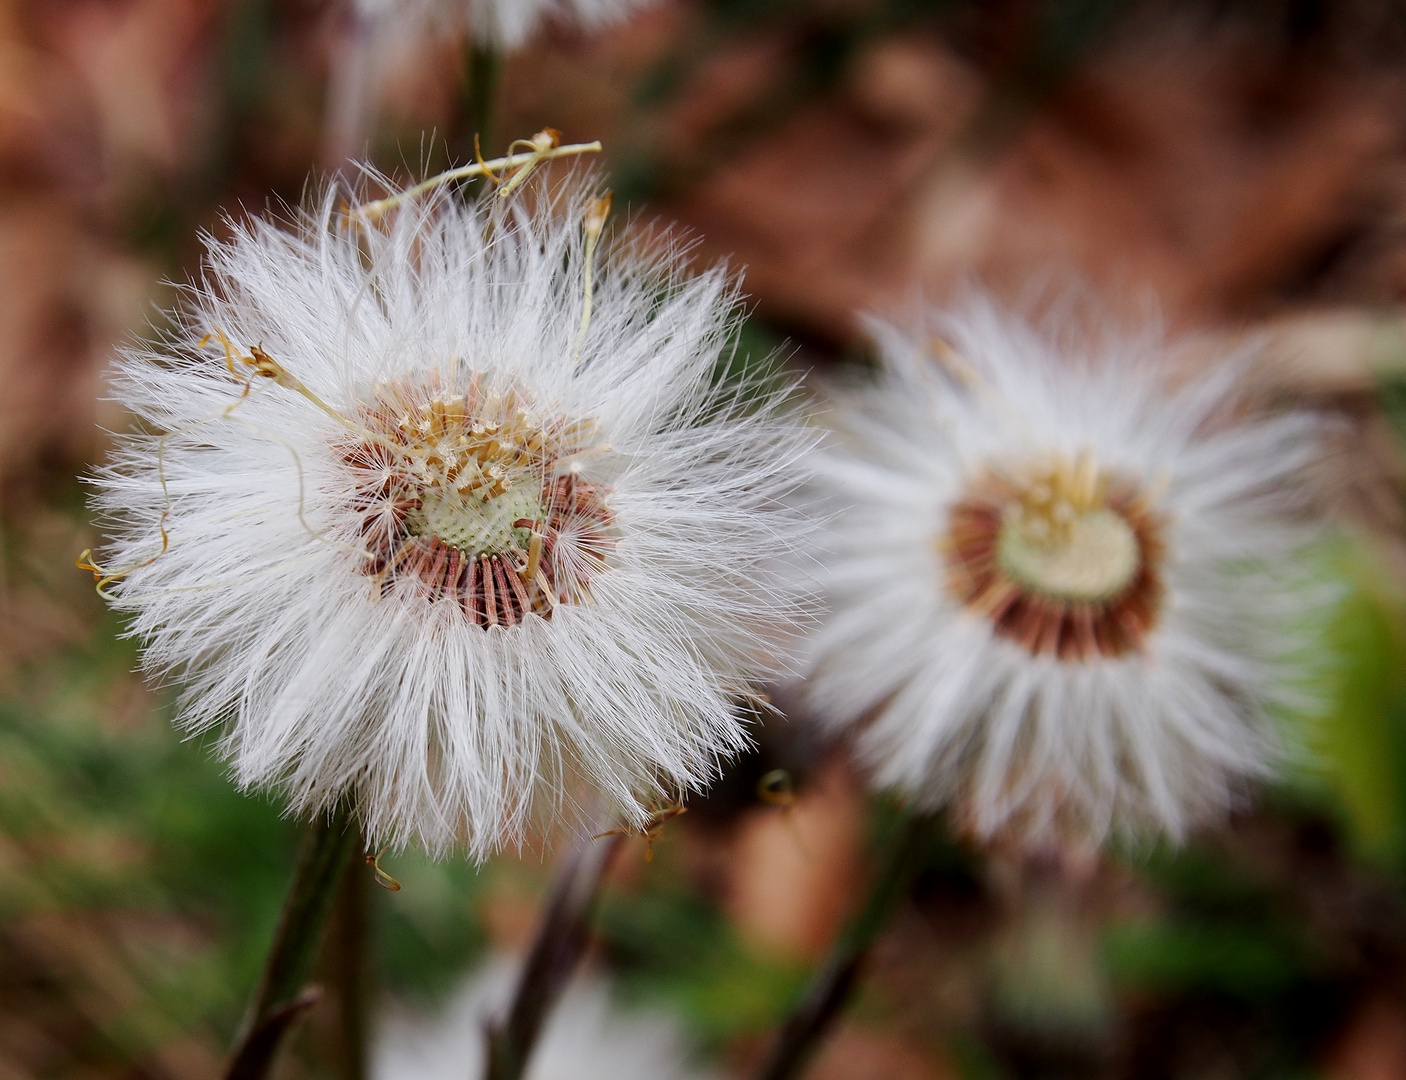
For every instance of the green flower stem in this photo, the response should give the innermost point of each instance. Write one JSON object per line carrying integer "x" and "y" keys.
{"x": 562, "y": 938}
{"x": 283, "y": 996}
{"x": 833, "y": 984}
{"x": 483, "y": 69}
{"x": 348, "y": 972}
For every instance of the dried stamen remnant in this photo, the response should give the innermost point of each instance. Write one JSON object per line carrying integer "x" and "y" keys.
{"x": 475, "y": 495}
{"x": 1063, "y": 559}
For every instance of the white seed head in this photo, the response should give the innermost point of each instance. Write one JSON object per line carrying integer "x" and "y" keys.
{"x": 505, "y": 24}
{"x": 399, "y": 544}
{"x": 509, "y": 23}
{"x": 1062, "y": 589}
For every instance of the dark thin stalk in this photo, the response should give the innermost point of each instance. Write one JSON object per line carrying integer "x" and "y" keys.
{"x": 283, "y": 996}
{"x": 830, "y": 990}
{"x": 562, "y": 937}
{"x": 483, "y": 66}
{"x": 347, "y": 971}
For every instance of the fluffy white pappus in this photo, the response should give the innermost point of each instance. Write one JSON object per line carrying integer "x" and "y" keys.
{"x": 585, "y": 1038}
{"x": 422, "y": 555}
{"x": 506, "y": 24}
{"x": 1065, "y": 588}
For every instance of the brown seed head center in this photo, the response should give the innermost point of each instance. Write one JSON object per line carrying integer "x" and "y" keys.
{"x": 1061, "y": 556}
{"x": 476, "y": 494}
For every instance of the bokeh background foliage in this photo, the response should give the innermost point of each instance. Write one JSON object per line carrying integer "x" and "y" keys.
{"x": 1242, "y": 161}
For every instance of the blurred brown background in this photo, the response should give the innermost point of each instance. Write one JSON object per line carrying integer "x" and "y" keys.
{"x": 1237, "y": 166}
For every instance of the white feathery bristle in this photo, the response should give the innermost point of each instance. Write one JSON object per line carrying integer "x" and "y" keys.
{"x": 404, "y": 398}
{"x": 1063, "y": 587}
{"x": 585, "y": 1038}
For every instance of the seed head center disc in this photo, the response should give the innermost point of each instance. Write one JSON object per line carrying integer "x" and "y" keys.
{"x": 1092, "y": 557}
{"x": 472, "y": 493}
{"x": 1062, "y": 557}
{"x": 479, "y": 526}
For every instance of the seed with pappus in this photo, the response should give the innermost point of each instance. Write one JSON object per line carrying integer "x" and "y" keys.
{"x": 409, "y": 529}
{"x": 1064, "y": 589}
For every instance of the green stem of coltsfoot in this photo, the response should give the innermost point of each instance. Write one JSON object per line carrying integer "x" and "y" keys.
{"x": 830, "y": 990}
{"x": 562, "y": 938}
{"x": 283, "y": 996}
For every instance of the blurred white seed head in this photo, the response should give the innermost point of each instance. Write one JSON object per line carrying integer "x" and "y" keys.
{"x": 420, "y": 553}
{"x": 1063, "y": 590}
{"x": 504, "y": 24}
{"x": 586, "y": 1037}
{"x": 507, "y": 24}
